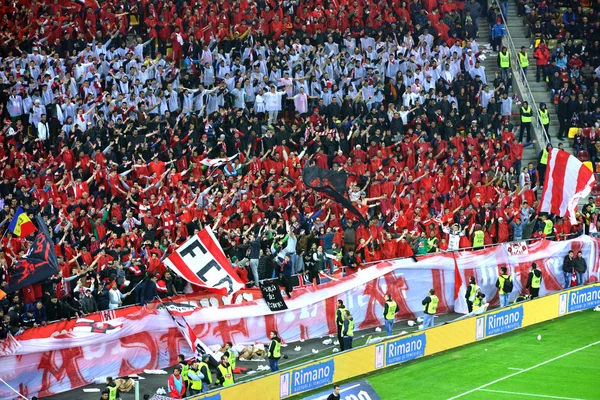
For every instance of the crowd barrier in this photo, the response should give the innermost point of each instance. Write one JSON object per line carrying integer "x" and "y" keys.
{"x": 343, "y": 366}
{"x": 43, "y": 362}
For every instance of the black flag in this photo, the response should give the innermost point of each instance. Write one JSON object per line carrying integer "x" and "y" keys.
{"x": 38, "y": 264}
{"x": 272, "y": 295}
{"x": 333, "y": 184}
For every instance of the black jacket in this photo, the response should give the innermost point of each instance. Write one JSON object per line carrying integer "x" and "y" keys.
{"x": 568, "y": 264}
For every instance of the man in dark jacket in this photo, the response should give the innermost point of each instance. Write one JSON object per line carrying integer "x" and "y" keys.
{"x": 534, "y": 281}
{"x": 580, "y": 267}
{"x": 568, "y": 264}
{"x": 88, "y": 303}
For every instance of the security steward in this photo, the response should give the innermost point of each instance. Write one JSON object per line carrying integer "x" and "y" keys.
{"x": 478, "y": 300}
{"x": 534, "y": 281}
{"x": 204, "y": 368}
{"x": 526, "y": 116}
{"x": 478, "y": 237}
{"x": 195, "y": 378}
{"x": 225, "y": 373}
{"x": 430, "y": 304}
{"x": 471, "y": 293}
{"x": 274, "y": 352}
{"x": 544, "y": 117}
{"x": 548, "y": 227}
{"x": 390, "y": 309}
{"x": 348, "y": 330}
{"x": 339, "y": 322}
{"x": 111, "y": 386}
{"x": 184, "y": 369}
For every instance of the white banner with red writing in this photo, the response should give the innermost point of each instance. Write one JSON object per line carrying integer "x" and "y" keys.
{"x": 201, "y": 261}
{"x": 149, "y": 338}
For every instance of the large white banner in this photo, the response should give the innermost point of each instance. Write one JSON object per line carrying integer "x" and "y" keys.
{"x": 149, "y": 339}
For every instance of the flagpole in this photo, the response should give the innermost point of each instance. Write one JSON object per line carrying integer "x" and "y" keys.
{"x": 11, "y": 388}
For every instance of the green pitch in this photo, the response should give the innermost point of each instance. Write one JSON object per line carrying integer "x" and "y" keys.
{"x": 564, "y": 364}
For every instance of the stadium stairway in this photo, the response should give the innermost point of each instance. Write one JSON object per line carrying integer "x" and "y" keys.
{"x": 540, "y": 92}
{"x": 491, "y": 66}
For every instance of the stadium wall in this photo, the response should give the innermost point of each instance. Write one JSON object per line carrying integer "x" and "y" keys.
{"x": 370, "y": 358}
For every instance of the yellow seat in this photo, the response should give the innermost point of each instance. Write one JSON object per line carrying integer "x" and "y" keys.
{"x": 577, "y": 42}
{"x": 169, "y": 52}
{"x": 562, "y": 10}
{"x": 552, "y": 43}
{"x": 589, "y": 165}
{"x": 573, "y": 132}
{"x": 586, "y": 10}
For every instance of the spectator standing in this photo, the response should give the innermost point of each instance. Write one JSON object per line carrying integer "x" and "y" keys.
{"x": 534, "y": 281}
{"x": 274, "y": 351}
{"x": 504, "y": 283}
{"x": 390, "y": 309}
{"x": 580, "y": 266}
{"x": 430, "y": 303}
{"x": 498, "y": 32}
{"x": 542, "y": 56}
{"x": 88, "y": 303}
{"x": 348, "y": 330}
{"x": 176, "y": 384}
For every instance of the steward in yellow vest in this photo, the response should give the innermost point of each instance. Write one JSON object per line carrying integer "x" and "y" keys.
{"x": 195, "y": 378}
{"x": 523, "y": 59}
{"x": 478, "y": 300}
{"x": 225, "y": 372}
{"x": 274, "y": 351}
{"x": 478, "y": 236}
{"x": 534, "y": 281}
{"x": 430, "y": 304}
{"x": 204, "y": 368}
{"x": 472, "y": 289}
{"x": 339, "y": 322}
{"x": 389, "y": 313}
{"x": 348, "y": 330}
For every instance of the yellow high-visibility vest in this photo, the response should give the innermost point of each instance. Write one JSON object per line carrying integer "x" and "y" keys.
{"x": 544, "y": 159}
{"x": 431, "y": 307}
{"x": 504, "y": 60}
{"x": 544, "y": 117}
{"x": 478, "y": 238}
{"x": 523, "y": 60}
{"x": 536, "y": 281}
{"x": 525, "y": 110}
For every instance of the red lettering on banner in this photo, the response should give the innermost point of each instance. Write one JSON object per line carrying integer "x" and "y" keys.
{"x": 270, "y": 324}
{"x": 227, "y": 329}
{"x": 331, "y": 314}
{"x": 549, "y": 280}
{"x": 68, "y": 368}
{"x": 398, "y": 291}
{"x": 174, "y": 342}
{"x": 395, "y": 286}
{"x": 143, "y": 340}
{"x": 437, "y": 275}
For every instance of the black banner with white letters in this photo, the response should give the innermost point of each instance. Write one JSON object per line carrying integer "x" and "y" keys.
{"x": 272, "y": 295}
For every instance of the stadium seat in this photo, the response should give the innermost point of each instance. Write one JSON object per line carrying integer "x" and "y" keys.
{"x": 562, "y": 10}
{"x": 565, "y": 76}
{"x": 577, "y": 42}
{"x": 586, "y": 132}
{"x": 572, "y": 132}
{"x": 552, "y": 43}
{"x": 586, "y": 10}
{"x": 583, "y": 156}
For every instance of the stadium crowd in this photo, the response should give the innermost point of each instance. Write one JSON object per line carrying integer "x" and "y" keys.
{"x": 116, "y": 113}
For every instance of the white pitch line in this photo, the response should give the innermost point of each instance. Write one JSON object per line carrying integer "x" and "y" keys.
{"x": 525, "y": 370}
{"x": 516, "y": 369}
{"x": 529, "y": 394}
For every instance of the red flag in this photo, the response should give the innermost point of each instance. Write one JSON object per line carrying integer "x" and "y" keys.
{"x": 567, "y": 181}
{"x": 460, "y": 303}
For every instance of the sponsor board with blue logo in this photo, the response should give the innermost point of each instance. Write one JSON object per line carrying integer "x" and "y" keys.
{"x": 504, "y": 321}
{"x": 308, "y": 378}
{"x": 584, "y": 298}
{"x": 351, "y": 391}
{"x": 405, "y": 349}
{"x": 216, "y": 396}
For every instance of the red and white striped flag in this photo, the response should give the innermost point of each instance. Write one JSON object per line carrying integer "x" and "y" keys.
{"x": 567, "y": 181}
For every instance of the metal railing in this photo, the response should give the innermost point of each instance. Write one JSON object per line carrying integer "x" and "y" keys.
{"x": 526, "y": 94}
